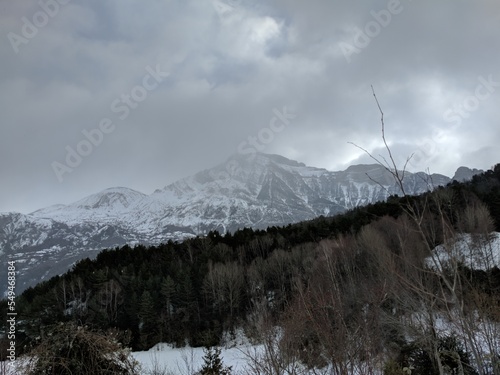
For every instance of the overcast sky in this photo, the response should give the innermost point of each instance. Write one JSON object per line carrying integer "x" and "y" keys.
{"x": 96, "y": 94}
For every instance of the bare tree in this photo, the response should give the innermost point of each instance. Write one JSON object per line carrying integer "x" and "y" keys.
{"x": 333, "y": 322}
{"x": 223, "y": 285}
{"x": 438, "y": 285}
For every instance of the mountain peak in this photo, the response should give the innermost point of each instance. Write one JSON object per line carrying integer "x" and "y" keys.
{"x": 278, "y": 159}
{"x": 258, "y": 191}
{"x": 364, "y": 168}
{"x": 112, "y": 197}
{"x": 108, "y": 202}
{"x": 263, "y": 159}
{"x": 465, "y": 174}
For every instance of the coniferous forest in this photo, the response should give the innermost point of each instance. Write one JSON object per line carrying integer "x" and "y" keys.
{"x": 358, "y": 292}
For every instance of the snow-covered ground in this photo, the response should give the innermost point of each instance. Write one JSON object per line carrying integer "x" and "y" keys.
{"x": 163, "y": 359}
{"x": 186, "y": 361}
{"x": 240, "y": 355}
{"x": 167, "y": 360}
{"x": 478, "y": 252}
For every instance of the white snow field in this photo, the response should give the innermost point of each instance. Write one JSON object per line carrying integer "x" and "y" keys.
{"x": 164, "y": 359}
{"x": 478, "y": 252}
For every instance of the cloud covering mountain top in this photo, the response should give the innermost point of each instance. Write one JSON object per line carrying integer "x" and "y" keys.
{"x": 122, "y": 93}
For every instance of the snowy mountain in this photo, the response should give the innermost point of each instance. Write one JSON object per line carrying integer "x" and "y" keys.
{"x": 258, "y": 192}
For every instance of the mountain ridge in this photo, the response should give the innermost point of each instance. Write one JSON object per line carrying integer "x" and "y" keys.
{"x": 266, "y": 190}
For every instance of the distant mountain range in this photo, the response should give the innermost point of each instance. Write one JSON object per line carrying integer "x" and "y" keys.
{"x": 259, "y": 191}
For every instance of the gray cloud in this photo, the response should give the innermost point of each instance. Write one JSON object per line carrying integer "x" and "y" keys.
{"x": 230, "y": 64}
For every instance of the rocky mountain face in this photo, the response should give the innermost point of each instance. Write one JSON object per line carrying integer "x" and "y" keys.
{"x": 259, "y": 191}
{"x": 465, "y": 174}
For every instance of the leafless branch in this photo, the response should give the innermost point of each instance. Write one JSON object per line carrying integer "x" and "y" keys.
{"x": 389, "y": 167}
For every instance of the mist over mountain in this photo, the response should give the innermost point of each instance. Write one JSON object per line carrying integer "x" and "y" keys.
{"x": 255, "y": 191}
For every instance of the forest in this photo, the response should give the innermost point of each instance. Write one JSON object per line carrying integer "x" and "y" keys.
{"x": 360, "y": 292}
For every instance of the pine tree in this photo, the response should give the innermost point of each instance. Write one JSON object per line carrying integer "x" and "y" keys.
{"x": 167, "y": 291}
{"x": 213, "y": 364}
{"x": 147, "y": 316}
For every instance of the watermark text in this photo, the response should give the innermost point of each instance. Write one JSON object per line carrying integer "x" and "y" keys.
{"x": 11, "y": 311}
{"x": 31, "y": 26}
{"x": 122, "y": 107}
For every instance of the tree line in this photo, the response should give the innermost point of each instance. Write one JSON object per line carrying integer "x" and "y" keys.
{"x": 352, "y": 293}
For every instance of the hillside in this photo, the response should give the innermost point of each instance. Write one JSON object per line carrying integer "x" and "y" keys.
{"x": 259, "y": 192}
{"x": 366, "y": 289}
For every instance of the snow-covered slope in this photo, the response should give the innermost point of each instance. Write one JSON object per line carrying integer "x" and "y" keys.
{"x": 258, "y": 192}
{"x": 107, "y": 205}
{"x": 478, "y": 252}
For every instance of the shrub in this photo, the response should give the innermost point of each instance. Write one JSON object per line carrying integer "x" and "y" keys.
{"x": 71, "y": 349}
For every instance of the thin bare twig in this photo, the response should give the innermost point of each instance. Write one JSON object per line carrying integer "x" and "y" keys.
{"x": 392, "y": 169}
{"x": 399, "y": 178}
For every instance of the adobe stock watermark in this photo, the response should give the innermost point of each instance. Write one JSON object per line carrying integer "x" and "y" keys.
{"x": 483, "y": 91}
{"x": 257, "y": 143}
{"x": 372, "y": 29}
{"x": 455, "y": 116}
{"x": 31, "y": 26}
{"x": 11, "y": 312}
{"x": 225, "y": 8}
{"x": 122, "y": 107}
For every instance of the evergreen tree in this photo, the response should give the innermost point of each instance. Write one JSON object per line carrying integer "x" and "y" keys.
{"x": 147, "y": 316}
{"x": 213, "y": 364}
{"x": 167, "y": 290}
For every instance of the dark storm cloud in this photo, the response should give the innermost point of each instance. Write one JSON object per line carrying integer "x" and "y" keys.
{"x": 230, "y": 65}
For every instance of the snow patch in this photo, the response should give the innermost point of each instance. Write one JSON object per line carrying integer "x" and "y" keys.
{"x": 478, "y": 252}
